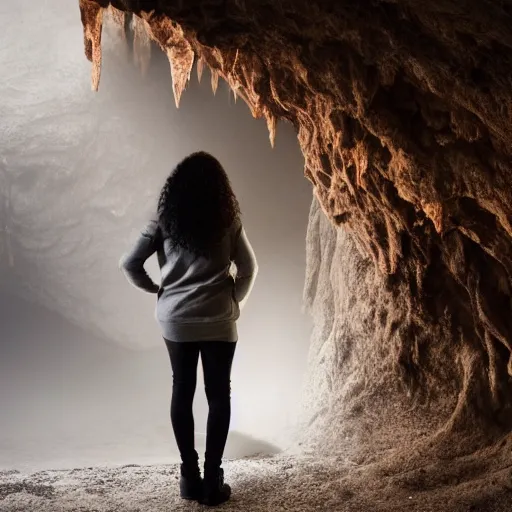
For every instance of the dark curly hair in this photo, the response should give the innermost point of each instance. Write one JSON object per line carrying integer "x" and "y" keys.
{"x": 197, "y": 204}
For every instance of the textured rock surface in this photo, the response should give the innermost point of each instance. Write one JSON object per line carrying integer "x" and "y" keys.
{"x": 404, "y": 114}
{"x": 357, "y": 407}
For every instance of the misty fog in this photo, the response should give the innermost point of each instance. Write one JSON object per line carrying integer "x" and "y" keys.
{"x": 84, "y": 374}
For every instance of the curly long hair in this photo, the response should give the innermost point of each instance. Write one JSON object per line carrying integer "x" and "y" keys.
{"x": 197, "y": 204}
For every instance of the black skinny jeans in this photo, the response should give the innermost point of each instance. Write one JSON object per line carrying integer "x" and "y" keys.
{"x": 217, "y": 359}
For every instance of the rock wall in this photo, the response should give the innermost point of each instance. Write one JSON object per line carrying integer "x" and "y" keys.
{"x": 358, "y": 399}
{"x": 403, "y": 111}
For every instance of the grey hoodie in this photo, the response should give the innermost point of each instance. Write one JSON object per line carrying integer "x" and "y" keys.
{"x": 198, "y": 297}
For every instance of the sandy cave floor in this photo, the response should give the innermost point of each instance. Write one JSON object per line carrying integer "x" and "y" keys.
{"x": 268, "y": 484}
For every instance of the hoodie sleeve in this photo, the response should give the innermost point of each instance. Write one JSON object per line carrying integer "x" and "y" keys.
{"x": 246, "y": 265}
{"x": 132, "y": 263}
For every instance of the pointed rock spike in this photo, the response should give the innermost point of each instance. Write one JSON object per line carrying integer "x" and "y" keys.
{"x": 200, "y": 69}
{"x": 141, "y": 44}
{"x": 215, "y": 81}
{"x": 119, "y": 19}
{"x": 271, "y": 125}
{"x": 233, "y": 88}
{"x": 181, "y": 60}
{"x": 92, "y": 20}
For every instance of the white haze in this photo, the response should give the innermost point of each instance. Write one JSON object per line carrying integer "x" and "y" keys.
{"x": 84, "y": 375}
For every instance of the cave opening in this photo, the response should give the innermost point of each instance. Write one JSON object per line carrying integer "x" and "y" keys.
{"x": 73, "y": 197}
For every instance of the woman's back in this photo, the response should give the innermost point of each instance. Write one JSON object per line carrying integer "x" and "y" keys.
{"x": 198, "y": 297}
{"x": 198, "y": 290}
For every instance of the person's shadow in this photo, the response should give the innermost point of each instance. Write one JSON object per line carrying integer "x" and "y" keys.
{"x": 242, "y": 446}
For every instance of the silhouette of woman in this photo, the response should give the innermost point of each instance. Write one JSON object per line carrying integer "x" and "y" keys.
{"x": 197, "y": 235}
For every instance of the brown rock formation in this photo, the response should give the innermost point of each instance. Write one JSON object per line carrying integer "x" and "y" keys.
{"x": 404, "y": 114}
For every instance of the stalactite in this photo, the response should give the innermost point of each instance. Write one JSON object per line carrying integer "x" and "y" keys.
{"x": 200, "y": 69}
{"x": 181, "y": 60}
{"x": 141, "y": 44}
{"x": 215, "y": 80}
{"x": 119, "y": 20}
{"x": 92, "y": 19}
{"x": 271, "y": 125}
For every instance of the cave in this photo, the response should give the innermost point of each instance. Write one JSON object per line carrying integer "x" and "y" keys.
{"x": 403, "y": 112}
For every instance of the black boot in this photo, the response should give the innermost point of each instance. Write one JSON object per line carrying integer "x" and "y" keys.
{"x": 215, "y": 491}
{"x": 191, "y": 483}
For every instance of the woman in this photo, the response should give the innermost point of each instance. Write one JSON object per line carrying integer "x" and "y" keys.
{"x": 197, "y": 235}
